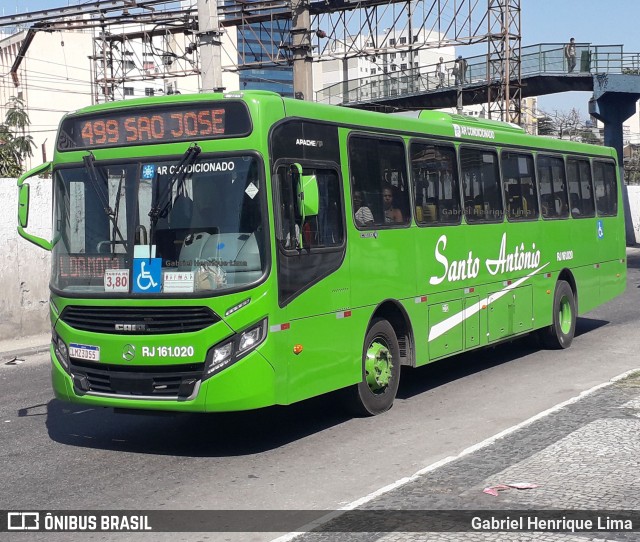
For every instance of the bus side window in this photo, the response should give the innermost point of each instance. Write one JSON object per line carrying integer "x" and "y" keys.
{"x": 287, "y": 220}
{"x": 519, "y": 186}
{"x": 482, "y": 184}
{"x": 580, "y": 188}
{"x": 552, "y": 185}
{"x": 434, "y": 175}
{"x": 323, "y": 230}
{"x": 605, "y": 188}
{"x": 378, "y": 168}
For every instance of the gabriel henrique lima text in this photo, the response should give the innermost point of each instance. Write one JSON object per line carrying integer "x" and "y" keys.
{"x": 533, "y": 523}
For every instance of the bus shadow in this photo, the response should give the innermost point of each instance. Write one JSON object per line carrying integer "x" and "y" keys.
{"x": 586, "y": 325}
{"x": 454, "y": 368}
{"x": 193, "y": 435}
{"x": 256, "y": 431}
{"x": 633, "y": 259}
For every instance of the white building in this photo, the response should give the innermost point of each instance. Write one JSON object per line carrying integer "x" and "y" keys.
{"x": 53, "y": 78}
{"x": 64, "y": 71}
{"x": 392, "y": 65}
{"x": 631, "y": 128}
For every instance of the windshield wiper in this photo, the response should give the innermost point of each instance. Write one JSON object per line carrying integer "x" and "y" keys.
{"x": 157, "y": 212}
{"x": 89, "y": 163}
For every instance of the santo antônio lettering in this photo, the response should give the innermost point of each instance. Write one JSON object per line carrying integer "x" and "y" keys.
{"x": 516, "y": 260}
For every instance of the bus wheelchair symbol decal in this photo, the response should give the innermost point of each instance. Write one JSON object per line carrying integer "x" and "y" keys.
{"x": 147, "y": 272}
{"x": 600, "y": 230}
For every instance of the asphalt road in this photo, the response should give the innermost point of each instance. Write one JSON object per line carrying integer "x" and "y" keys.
{"x": 306, "y": 456}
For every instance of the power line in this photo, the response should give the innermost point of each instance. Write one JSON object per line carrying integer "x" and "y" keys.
{"x": 81, "y": 9}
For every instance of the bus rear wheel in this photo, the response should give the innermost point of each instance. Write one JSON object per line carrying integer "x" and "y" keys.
{"x": 381, "y": 371}
{"x": 563, "y": 326}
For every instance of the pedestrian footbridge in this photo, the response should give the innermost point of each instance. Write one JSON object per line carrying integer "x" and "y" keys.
{"x": 543, "y": 71}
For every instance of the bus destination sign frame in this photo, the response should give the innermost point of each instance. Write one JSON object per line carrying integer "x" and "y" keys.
{"x": 189, "y": 121}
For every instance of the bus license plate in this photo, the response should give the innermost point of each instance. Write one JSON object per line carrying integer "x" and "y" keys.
{"x": 84, "y": 351}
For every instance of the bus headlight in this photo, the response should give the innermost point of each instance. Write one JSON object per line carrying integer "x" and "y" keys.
{"x": 222, "y": 353}
{"x": 60, "y": 349}
{"x": 249, "y": 339}
{"x": 231, "y": 350}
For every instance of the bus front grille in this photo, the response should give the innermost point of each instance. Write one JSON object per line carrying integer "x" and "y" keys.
{"x": 153, "y": 382}
{"x": 138, "y": 320}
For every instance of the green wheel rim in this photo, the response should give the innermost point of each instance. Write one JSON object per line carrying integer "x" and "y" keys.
{"x": 565, "y": 315}
{"x": 378, "y": 365}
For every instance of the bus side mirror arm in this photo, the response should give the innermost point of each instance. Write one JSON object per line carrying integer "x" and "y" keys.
{"x": 23, "y": 206}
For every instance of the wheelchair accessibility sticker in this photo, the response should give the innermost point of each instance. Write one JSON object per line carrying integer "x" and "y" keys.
{"x": 147, "y": 273}
{"x": 600, "y": 230}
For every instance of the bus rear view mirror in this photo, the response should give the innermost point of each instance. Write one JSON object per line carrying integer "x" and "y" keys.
{"x": 23, "y": 206}
{"x": 307, "y": 191}
{"x": 311, "y": 198}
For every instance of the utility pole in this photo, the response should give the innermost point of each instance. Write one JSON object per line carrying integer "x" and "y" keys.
{"x": 301, "y": 46}
{"x": 210, "y": 46}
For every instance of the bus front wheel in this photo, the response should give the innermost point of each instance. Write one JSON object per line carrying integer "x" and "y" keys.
{"x": 381, "y": 371}
{"x": 563, "y": 326}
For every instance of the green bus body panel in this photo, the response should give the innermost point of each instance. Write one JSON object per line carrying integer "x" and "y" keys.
{"x": 428, "y": 274}
{"x": 450, "y": 342}
{"x": 509, "y": 314}
{"x": 471, "y": 322}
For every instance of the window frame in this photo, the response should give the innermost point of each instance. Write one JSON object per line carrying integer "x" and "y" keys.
{"x": 604, "y": 160}
{"x": 526, "y": 153}
{"x": 278, "y": 217}
{"x": 413, "y": 193}
{"x": 482, "y": 148}
{"x": 378, "y": 138}
{"x": 578, "y": 159}
{"x": 561, "y": 157}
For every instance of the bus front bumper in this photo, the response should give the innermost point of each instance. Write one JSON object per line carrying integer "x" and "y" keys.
{"x": 250, "y": 383}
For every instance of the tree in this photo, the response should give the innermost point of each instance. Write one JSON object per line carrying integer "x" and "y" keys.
{"x": 568, "y": 124}
{"x": 546, "y": 127}
{"x": 15, "y": 143}
{"x": 632, "y": 164}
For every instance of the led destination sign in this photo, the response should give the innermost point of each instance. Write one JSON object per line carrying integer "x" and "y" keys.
{"x": 132, "y": 126}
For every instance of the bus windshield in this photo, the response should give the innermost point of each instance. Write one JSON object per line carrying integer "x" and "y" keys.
{"x": 148, "y": 228}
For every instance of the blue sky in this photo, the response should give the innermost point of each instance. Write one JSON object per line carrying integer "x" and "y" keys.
{"x": 600, "y": 22}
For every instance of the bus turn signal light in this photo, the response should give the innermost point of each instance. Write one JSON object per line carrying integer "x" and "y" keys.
{"x": 297, "y": 349}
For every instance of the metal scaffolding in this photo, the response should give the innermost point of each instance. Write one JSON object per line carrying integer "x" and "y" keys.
{"x": 503, "y": 61}
{"x": 333, "y": 29}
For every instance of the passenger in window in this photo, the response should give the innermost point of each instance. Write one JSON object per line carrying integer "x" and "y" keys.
{"x": 363, "y": 215}
{"x": 287, "y": 242}
{"x": 391, "y": 214}
{"x": 575, "y": 204}
{"x": 562, "y": 207}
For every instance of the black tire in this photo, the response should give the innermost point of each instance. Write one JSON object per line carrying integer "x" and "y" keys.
{"x": 377, "y": 391}
{"x": 563, "y": 325}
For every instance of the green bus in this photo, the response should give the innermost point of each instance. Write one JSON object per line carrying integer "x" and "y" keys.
{"x": 222, "y": 252}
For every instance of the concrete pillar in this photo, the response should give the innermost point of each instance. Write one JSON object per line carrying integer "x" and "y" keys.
{"x": 210, "y": 46}
{"x": 614, "y": 101}
{"x": 301, "y": 48}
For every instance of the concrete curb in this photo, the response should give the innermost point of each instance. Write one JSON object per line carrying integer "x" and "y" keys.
{"x": 23, "y": 352}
